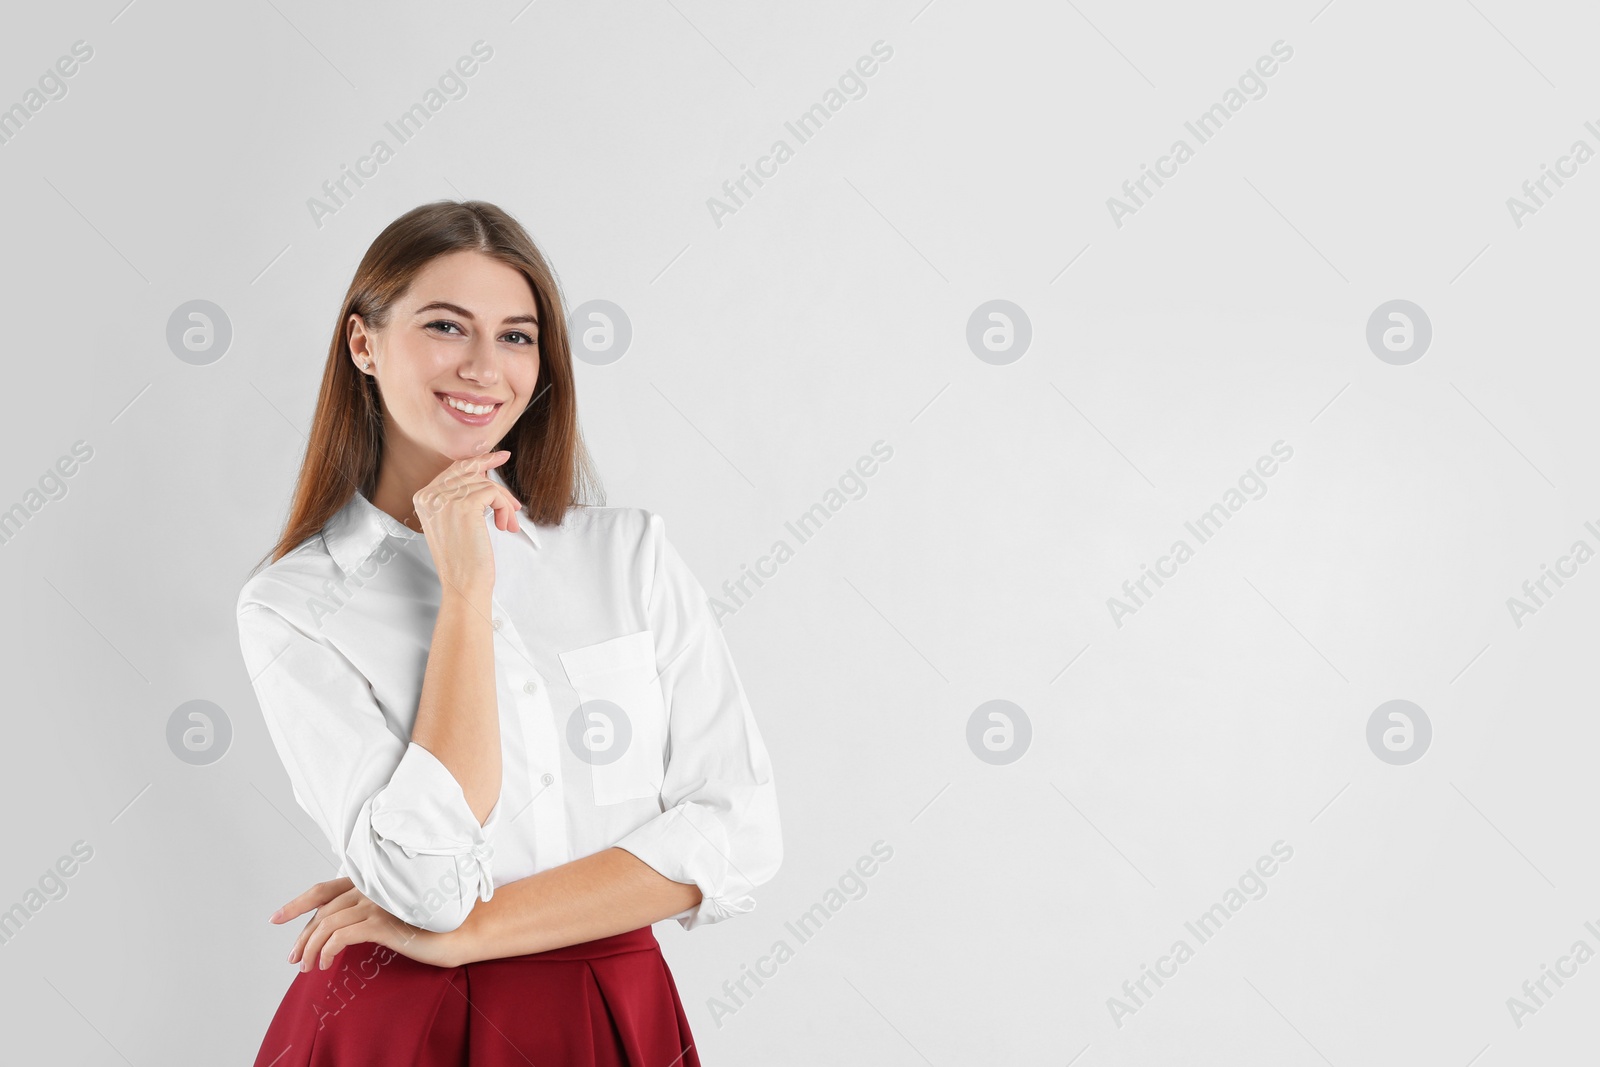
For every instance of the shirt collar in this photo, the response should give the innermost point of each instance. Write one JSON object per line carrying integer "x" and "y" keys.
{"x": 356, "y": 530}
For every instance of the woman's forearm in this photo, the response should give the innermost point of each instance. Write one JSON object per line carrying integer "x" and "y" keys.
{"x": 609, "y": 892}
{"x": 458, "y": 713}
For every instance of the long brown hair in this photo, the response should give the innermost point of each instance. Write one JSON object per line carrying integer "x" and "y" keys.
{"x": 549, "y": 468}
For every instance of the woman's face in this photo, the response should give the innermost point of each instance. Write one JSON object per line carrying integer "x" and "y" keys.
{"x": 466, "y": 332}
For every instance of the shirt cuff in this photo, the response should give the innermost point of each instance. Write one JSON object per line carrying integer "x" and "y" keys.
{"x": 423, "y": 811}
{"x": 689, "y": 844}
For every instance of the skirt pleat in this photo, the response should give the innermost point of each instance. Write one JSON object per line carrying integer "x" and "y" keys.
{"x": 605, "y": 1003}
{"x": 642, "y": 1021}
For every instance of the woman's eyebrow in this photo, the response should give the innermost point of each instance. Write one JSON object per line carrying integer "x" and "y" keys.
{"x": 464, "y": 313}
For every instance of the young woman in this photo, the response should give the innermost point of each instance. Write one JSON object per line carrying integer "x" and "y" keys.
{"x": 513, "y": 715}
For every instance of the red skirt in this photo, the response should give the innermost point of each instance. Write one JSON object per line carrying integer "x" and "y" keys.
{"x": 605, "y": 1003}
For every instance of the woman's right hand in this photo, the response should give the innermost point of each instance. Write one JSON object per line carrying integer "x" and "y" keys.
{"x": 450, "y": 509}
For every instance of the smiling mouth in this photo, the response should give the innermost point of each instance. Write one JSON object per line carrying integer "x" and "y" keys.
{"x": 471, "y": 414}
{"x": 470, "y": 409}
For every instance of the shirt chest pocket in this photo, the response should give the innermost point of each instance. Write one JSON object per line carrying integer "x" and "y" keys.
{"x": 619, "y": 728}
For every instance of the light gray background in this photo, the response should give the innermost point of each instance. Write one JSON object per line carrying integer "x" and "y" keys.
{"x": 768, "y": 355}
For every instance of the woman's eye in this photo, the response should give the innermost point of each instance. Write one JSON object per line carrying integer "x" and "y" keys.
{"x": 445, "y": 325}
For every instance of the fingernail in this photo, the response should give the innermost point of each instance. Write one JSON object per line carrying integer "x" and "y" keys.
{"x": 274, "y": 916}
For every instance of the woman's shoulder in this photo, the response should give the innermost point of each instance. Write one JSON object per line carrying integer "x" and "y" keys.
{"x": 608, "y": 539}
{"x": 600, "y": 525}
{"x": 285, "y": 583}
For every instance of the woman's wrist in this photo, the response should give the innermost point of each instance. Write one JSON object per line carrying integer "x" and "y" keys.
{"x": 472, "y": 594}
{"x": 462, "y": 942}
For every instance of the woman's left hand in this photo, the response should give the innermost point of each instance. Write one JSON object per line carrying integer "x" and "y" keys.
{"x": 346, "y": 916}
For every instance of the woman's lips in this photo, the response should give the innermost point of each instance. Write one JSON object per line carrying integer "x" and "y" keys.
{"x": 461, "y": 416}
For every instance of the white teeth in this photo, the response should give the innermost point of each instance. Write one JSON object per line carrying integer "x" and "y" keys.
{"x": 470, "y": 409}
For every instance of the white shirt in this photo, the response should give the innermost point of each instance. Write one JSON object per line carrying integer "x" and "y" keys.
{"x": 622, "y": 719}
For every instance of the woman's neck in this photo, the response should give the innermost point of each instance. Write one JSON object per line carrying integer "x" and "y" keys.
{"x": 402, "y": 474}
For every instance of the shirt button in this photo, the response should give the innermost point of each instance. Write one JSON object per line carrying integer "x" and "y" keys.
{"x": 547, "y": 779}
{"x": 529, "y": 687}
{"x": 497, "y": 622}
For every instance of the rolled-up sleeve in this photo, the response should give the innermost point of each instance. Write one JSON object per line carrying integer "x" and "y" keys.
{"x": 395, "y": 815}
{"x": 720, "y": 828}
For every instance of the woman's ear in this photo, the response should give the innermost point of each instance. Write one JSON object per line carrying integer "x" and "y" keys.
{"x": 359, "y": 341}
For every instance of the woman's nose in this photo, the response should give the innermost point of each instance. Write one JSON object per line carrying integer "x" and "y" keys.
{"x": 478, "y": 362}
